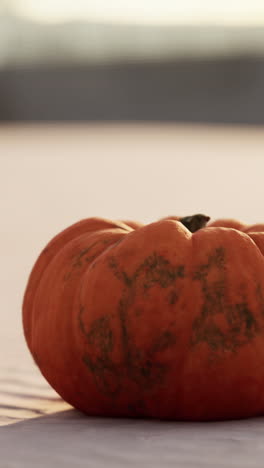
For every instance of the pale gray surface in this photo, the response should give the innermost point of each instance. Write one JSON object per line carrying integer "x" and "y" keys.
{"x": 49, "y": 178}
{"x": 69, "y": 439}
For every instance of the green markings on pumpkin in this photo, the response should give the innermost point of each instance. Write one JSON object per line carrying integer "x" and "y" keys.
{"x": 100, "y": 333}
{"x": 222, "y": 326}
{"x": 78, "y": 260}
{"x": 100, "y": 337}
{"x": 164, "y": 341}
{"x": 159, "y": 271}
{"x": 105, "y": 374}
{"x": 239, "y": 326}
{"x": 172, "y": 297}
{"x": 142, "y": 366}
{"x": 154, "y": 270}
{"x": 84, "y": 257}
{"x": 215, "y": 260}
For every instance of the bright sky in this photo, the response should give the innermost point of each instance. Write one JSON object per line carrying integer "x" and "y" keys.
{"x": 234, "y": 12}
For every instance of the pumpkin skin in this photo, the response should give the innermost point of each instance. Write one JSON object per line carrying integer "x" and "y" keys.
{"x": 132, "y": 320}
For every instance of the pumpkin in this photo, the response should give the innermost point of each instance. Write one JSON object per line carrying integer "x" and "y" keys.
{"x": 164, "y": 320}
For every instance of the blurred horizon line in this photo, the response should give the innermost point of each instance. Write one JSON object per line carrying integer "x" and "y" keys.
{"x": 140, "y": 12}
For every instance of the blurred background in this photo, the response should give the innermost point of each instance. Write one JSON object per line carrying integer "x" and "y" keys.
{"x": 157, "y": 60}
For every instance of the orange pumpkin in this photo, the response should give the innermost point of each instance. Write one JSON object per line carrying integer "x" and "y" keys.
{"x": 164, "y": 320}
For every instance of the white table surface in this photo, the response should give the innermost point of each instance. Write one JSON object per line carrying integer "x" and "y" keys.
{"x": 52, "y": 176}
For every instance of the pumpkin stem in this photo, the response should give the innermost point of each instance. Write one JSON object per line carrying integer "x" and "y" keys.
{"x": 195, "y": 222}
